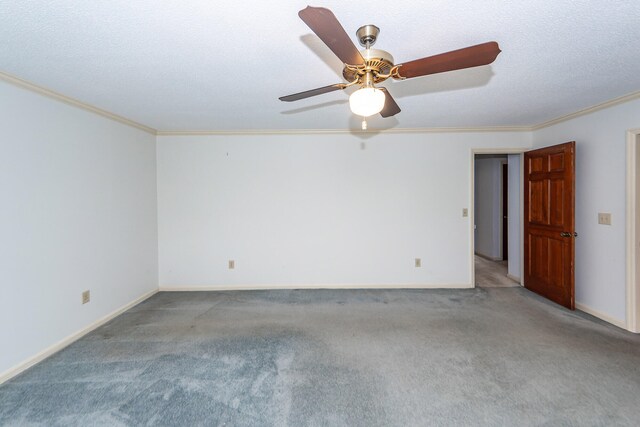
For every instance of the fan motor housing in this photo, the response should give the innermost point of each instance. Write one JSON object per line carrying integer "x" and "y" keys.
{"x": 376, "y": 61}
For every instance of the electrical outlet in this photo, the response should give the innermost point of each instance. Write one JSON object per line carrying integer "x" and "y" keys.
{"x": 465, "y": 212}
{"x": 604, "y": 218}
{"x": 86, "y": 297}
{"x": 232, "y": 264}
{"x": 418, "y": 262}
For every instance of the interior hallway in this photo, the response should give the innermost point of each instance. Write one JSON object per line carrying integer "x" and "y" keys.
{"x": 492, "y": 274}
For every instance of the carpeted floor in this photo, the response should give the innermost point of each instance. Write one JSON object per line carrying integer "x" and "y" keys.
{"x": 498, "y": 356}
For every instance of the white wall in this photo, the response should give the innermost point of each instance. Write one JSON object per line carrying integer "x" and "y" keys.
{"x": 514, "y": 214}
{"x": 78, "y": 199}
{"x": 488, "y": 206}
{"x": 600, "y": 187}
{"x": 79, "y": 210}
{"x": 305, "y": 210}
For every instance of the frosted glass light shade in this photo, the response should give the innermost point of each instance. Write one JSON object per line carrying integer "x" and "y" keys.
{"x": 367, "y": 101}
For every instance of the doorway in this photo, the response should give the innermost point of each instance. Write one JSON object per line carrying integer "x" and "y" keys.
{"x": 633, "y": 230}
{"x": 497, "y": 218}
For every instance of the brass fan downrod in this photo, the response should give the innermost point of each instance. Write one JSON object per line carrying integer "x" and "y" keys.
{"x": 378, "y": 64}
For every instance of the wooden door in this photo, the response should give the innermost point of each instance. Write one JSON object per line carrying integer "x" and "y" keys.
{"x": 549, "y": 226}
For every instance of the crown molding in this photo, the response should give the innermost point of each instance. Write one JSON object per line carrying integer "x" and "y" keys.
{"x": 621, "y": 100}
{"x": 74, "y": 102}
{"x": 87, "y": 107}
{"x": 343, "y": 131}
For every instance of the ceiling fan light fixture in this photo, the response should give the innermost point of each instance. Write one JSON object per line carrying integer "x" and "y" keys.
{"x": 367, "y": 101}
{"x": 373, "y": 66}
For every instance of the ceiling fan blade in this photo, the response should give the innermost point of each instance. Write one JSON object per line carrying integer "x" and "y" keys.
{"x": 390, "y": 107}
{"x": 312, "y": 92}
{"x": 468, "y": 57}
{"x": 326, "y": 26}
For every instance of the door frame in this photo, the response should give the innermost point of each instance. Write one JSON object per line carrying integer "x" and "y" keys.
{"x": 472, "y": 219}
{"x": 504, "y": 211}
{"x": 633, "y": 237}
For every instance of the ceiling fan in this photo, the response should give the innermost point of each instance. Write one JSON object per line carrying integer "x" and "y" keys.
{"x": 371, "y": 66}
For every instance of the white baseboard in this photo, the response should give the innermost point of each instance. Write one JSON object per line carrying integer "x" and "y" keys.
{"x": 314, "y": 286}
{"x": 21, "y": 367}
{"x": 600, "y": 315}
{"x": 514, "y": 278}
{"x": 490, "y": 258}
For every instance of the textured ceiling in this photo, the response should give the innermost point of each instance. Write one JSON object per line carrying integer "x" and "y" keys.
{"x": 221, "y": 65}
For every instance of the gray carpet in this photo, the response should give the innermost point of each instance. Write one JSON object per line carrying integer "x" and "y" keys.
{"x": 338, "y": 357}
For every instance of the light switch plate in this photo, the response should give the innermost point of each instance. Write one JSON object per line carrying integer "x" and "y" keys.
{"x": 232, "y": 264}
{"x": 604, "y": 218}
{"x": 418, "y": 262}
{"x": 465, "y": 212}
